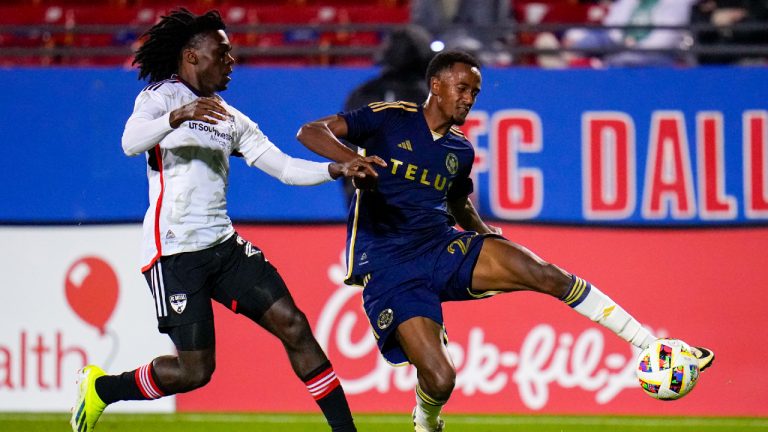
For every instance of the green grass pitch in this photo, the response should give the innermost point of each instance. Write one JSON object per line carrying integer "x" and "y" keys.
{"x": 119, "y": 422}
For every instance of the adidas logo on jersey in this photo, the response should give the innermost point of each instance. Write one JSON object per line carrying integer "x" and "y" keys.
{"x": 406, "y": 145}
{"x": 170, "y": 235}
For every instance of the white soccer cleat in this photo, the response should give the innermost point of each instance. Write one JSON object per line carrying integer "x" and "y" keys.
{"x": 418, "y": 427}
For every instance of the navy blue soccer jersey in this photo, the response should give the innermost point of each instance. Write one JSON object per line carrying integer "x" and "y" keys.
{"x": 408, "y": 211}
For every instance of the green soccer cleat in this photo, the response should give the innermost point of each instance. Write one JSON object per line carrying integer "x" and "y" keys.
{"x": 89, "y": 405}
{"x": 421, "y": 428}
{"x": 705, "y": 356}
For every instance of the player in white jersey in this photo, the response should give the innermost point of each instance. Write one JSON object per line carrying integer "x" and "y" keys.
{"x": 192, "y": 254}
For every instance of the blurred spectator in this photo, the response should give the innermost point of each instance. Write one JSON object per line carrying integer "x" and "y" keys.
{"x": 481, "y": 27}
{"x": 670, "y": 43}
{"x": 403, "y": 58}
{"x": 725, "y": 14}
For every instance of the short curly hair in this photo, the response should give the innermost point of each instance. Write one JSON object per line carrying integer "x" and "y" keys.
{"x": 446, "y": 59}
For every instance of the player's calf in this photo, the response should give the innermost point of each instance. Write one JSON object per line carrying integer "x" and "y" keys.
{"x": 138, "y": 384}
{"x": 324, "y": 386}
{"x": 589, "y": 301}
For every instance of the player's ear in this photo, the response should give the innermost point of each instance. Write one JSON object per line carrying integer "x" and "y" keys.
{"x": 189, "y": 55}
{"x": 434, "y": 85}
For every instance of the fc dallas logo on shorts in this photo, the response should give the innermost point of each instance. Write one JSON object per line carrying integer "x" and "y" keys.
{"x": 178, "y": 302}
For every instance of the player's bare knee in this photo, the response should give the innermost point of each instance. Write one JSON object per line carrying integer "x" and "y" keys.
{"x": 438, "y": 382}
{"x": 198, "y": 376}
{"x": 296, "y": 331}
{"x": 192, "y": 374}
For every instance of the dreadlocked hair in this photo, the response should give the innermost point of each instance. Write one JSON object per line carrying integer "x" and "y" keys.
{"x": 159, "y": 55}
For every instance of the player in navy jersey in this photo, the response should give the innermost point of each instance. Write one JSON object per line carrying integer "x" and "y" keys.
{"x": 402, "y": 246}
{"x": 192, "y": 254}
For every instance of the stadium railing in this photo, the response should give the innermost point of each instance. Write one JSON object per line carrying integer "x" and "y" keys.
{"x": 348, "y": 36}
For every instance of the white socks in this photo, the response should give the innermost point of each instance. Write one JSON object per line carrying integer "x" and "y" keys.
{"x": 589, "y": 301}
{"x": 427, "y": 411}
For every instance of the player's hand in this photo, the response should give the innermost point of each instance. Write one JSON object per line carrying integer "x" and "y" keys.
{"x": 204, "y": 109}
{"x": 361, "y": 170}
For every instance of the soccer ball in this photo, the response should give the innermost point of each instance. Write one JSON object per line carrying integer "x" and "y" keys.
{"x": 667, "y": 369}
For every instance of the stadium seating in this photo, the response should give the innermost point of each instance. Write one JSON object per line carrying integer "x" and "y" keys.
{"x": 291, "y": 32}
{"x": 80, "y": 32}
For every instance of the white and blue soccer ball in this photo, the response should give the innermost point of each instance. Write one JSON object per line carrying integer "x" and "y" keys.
{"x": 667, "y": 369}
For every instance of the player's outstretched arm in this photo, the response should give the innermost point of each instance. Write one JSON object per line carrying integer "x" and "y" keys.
{"x": 322, "y": 137}
{"x": 293, "y": 171}
{"x": 467, "y": 217}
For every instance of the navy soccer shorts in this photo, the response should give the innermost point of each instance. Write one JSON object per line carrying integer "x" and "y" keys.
{"x": 234, "y": 273}
{"x": 416, "y": 288}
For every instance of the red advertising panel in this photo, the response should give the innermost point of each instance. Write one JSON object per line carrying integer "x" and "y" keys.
{"x": 522, "y": 352}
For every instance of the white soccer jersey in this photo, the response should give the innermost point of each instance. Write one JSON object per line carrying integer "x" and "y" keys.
{"x": 188, "y": 169}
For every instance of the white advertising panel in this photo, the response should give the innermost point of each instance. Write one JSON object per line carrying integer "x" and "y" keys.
{"x": 72, "y": 296}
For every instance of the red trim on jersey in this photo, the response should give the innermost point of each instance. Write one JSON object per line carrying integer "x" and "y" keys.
{"x": 234, "y": 306}
{"x": 149, "y": 266}
{"x": 158, "y": 206}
